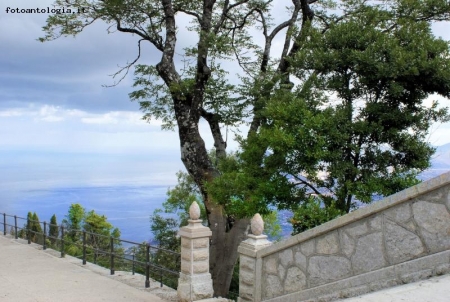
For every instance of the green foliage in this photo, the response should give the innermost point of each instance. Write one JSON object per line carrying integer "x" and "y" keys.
{"x": 53, "y": 232}
{"x": 241, "y": 194}
{"x": 73, "y": 222}
{"x": 98, "y": 235}
{"x": 36, "y": 230}
{"x": 27, "y": 232}
{"x": 355, "y": 127}
{"x": 272, "y": 226}
{"x": 313, "y": 213}
{"x": 32, "y": 229}
{"x": 180, "y": 198}
{"x": 165, "y": 231}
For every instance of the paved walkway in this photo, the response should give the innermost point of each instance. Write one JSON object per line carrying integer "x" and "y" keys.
{"x": 27, "y": 274}
{"x": 436, "y": 289}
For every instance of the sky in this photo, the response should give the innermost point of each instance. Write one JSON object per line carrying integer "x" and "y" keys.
{"x": 59, "y": 126}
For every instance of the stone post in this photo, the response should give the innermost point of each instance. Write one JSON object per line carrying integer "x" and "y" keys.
{"x": 250, "y": 267}
{"x": 195, "y": 281}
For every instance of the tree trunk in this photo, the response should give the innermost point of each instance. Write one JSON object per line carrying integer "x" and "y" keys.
{"x": 223, "y": 250}
{"x": 225, "y": 239}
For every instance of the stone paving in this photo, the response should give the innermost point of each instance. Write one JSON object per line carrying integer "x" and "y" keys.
{"x": 436, "y": 289}
{"x": 28, "y": 274}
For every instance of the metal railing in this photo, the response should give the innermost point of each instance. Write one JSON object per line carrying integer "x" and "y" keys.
{"x": 107, "y": 251}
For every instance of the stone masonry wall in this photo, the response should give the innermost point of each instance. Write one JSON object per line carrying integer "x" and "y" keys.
{"x": 400, "y": 239}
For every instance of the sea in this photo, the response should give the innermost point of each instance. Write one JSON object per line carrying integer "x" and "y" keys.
{"x": 126, "y": 207}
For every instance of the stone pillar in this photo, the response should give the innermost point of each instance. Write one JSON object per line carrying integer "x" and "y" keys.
{"x": 250, "y": 266}
{"x": 195, "y": 281}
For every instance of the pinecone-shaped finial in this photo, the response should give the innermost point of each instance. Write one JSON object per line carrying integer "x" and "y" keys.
{"x": 257, "y": 225}
{"x": 194, "y": 211}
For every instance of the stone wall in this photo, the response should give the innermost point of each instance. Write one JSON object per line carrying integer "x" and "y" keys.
{"x": 401, "y": 239}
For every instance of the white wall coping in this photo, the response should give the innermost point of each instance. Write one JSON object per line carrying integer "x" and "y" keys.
{"x": 376, "y": 207}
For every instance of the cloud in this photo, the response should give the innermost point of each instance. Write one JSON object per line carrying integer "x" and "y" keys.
{"x": 51, "y": 94}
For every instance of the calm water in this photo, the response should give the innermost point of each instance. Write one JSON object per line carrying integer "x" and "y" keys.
{"x": 126, "y": 207}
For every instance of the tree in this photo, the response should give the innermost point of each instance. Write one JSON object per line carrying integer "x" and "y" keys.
{"x": 53, "y": 232}
{"x": 99, "y": 234}
{"x": 25, "y": 232}
{"x": 73, "y": 222}
{"x": 165, "y": 228}
{"x": 36, "y": 229}
{"x": 198, "y": 89}
{"x": 361, "y": 126}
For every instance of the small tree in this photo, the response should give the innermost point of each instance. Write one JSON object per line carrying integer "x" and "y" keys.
{"x": 26, "y": 230}
{"x": 73, "y": 222}
{"x": 36, "y": 230}
{"x": 53, "y": 230}
{"x": 99, "y": 236}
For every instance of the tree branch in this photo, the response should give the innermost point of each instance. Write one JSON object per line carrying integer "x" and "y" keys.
{"x": 197, "y": 16}
{"x": 127, "y": 67}
{"x": 213, "y": 120}
{"x": 304, "y": 182}
{"x": 166, "y": 67}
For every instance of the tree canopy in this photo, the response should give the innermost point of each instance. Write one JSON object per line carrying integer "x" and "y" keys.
{"x": 329, "y": 86}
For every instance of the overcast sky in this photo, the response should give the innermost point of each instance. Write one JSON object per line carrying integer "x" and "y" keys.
{"x": 59, "y": 125}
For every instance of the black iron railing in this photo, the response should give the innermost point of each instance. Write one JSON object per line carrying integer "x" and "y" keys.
{"x": 107, "y": 251}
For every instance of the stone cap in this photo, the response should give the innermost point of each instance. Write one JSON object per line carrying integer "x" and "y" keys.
{"x": 252, "y": 244}
{"x": 195, "y": 229}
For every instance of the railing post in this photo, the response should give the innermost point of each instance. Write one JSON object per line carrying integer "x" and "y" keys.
{"x": 250, "y": 266}
{"x": 112, "y": 256}
{"x": 15, "y": 226}
{"x": 28, "y": 230}
{"x": 195, "y": 281}
{"x": 84, "y": 247}
{"x": 62, "y": 242}
{"x": 4, "y": 224}
{"x": 44, "y": 244}
{"x": 133, "y": 267}
{"x": 147, "y": 266}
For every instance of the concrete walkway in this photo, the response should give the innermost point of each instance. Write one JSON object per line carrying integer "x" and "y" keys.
{"x": 436, "y": 289}
{"x": 27, "y": 274}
